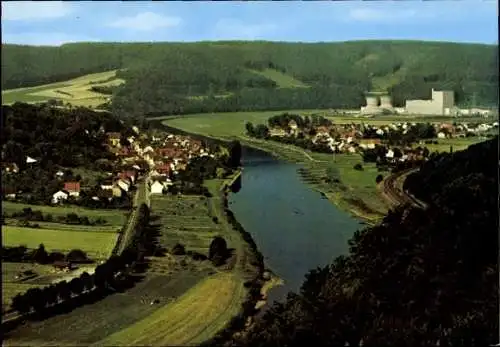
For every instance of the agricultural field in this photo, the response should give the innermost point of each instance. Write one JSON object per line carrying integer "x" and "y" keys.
{"x": 458, "y": 144}
{"x": 196, "y": 300}
{"x": 76, "y": 91}
{"x": 91, "y": 323}
{"x": 96, "y": 244}
{"x": 189, "y": 320}
{"x": 112, "y": 217}
{"x": 186, "y": 220}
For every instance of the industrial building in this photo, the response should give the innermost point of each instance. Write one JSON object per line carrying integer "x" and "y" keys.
{"x": 377, "y": 103}
{"x": 441, "y": 103}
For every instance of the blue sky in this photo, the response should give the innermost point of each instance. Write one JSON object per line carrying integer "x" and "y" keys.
{"x": 54, "y": 23}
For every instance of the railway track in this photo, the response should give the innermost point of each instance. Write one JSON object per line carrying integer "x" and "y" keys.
{"x": 392, "y": 189}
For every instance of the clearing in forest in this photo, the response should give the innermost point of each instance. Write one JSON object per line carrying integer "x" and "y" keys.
{"x": 76, "y": 91}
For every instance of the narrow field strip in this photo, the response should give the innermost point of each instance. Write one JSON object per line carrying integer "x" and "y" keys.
{"x": 200, "y": 312}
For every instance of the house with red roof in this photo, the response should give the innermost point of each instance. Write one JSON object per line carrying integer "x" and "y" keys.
{"x": 73, "y": 188}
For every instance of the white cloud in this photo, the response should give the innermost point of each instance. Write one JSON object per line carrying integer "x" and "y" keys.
{"x": 231, "y": 29}
{"x": 44, "y": 39}
{"x": 29, "y": 10}
{"x": 145, "y": 21}
{"x": 386, "y": 15}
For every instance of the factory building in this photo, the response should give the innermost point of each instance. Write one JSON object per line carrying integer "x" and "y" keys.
{"x": 441, "y": 103}
{"x": 377, "y": 103}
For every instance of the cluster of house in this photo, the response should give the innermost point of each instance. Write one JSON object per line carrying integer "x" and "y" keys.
{"x": 115, "y": 186}
{"x": 447, "y": 130}
{"x": 168, "y": 155}
{"x": 163, "y": 156}
{"x": 352, "y": 137}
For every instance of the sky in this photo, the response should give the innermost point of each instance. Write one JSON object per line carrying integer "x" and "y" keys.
{"x": 55, "y": 23}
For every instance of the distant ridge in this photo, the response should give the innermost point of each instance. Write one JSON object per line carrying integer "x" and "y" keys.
{"x": 168, "y": 78}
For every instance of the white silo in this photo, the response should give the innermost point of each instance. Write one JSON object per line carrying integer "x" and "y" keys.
{"x": 371, "y": 101}
{"x": 385, "y": 102}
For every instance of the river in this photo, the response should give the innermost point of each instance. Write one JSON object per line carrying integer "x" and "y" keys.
{"x": 295, "y": 229}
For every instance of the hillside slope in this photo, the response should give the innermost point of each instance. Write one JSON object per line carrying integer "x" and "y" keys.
{"x": 170, "y": 78}
{"x": 420, "y": 278}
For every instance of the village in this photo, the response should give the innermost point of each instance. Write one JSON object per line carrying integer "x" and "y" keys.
{"x": 162, "y": 156}
{"x": 401, "y": 141}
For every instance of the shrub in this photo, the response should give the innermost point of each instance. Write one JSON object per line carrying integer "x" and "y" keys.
{"x": 179, "y": 249}
{"x": 358, "y": 167}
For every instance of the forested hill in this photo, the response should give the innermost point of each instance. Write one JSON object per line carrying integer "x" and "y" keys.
{"x": 420, "y": 278}
{"x": 228, "y": 76}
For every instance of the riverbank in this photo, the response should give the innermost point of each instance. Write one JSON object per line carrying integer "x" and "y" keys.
{"x": 249, "y": 265}
{"x": 353, "y": 191}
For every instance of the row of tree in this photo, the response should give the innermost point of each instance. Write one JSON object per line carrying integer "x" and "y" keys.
{"x": 19, "y": 254}
{"x": 27, "y": 214}
{"x": 105, "y": 276}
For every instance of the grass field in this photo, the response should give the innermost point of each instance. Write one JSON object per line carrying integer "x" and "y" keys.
{"x": 92, "y": 323}
{"x": 76, "y": 91}
{"x": 96, "y": 244}
{"x": 192, "y": 318}
{"x": 112, "y": 217}
{"x": 281, "y": 79}
{"x": 458, "y": 144}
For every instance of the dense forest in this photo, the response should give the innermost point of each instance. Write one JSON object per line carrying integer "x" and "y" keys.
{"x": 55, "y": 136}
{"x": 420, "y": 278}
{"x": 177, "y": 78}
{"x": 57, "y": 139}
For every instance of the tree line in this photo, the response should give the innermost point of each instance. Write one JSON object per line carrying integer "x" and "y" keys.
{"x": 21, "y": 254}
{"x": 27, "y": 214}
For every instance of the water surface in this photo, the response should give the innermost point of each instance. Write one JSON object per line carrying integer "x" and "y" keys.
{"x": 293, "y": 226}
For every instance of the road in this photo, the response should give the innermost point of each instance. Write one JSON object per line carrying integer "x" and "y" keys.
{"x": 392, "y": 190}
{"x": 141, "y": 196}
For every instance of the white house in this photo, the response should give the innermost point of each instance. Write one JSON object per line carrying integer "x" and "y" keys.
{"x": 389, "y": 154}
{"x": 30, "y": 160}
{"x": 123, "y": 185}
{"x": 441, "y": 135}
{"x": 59, "y": 197}
{"x": 157, "y": 188}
